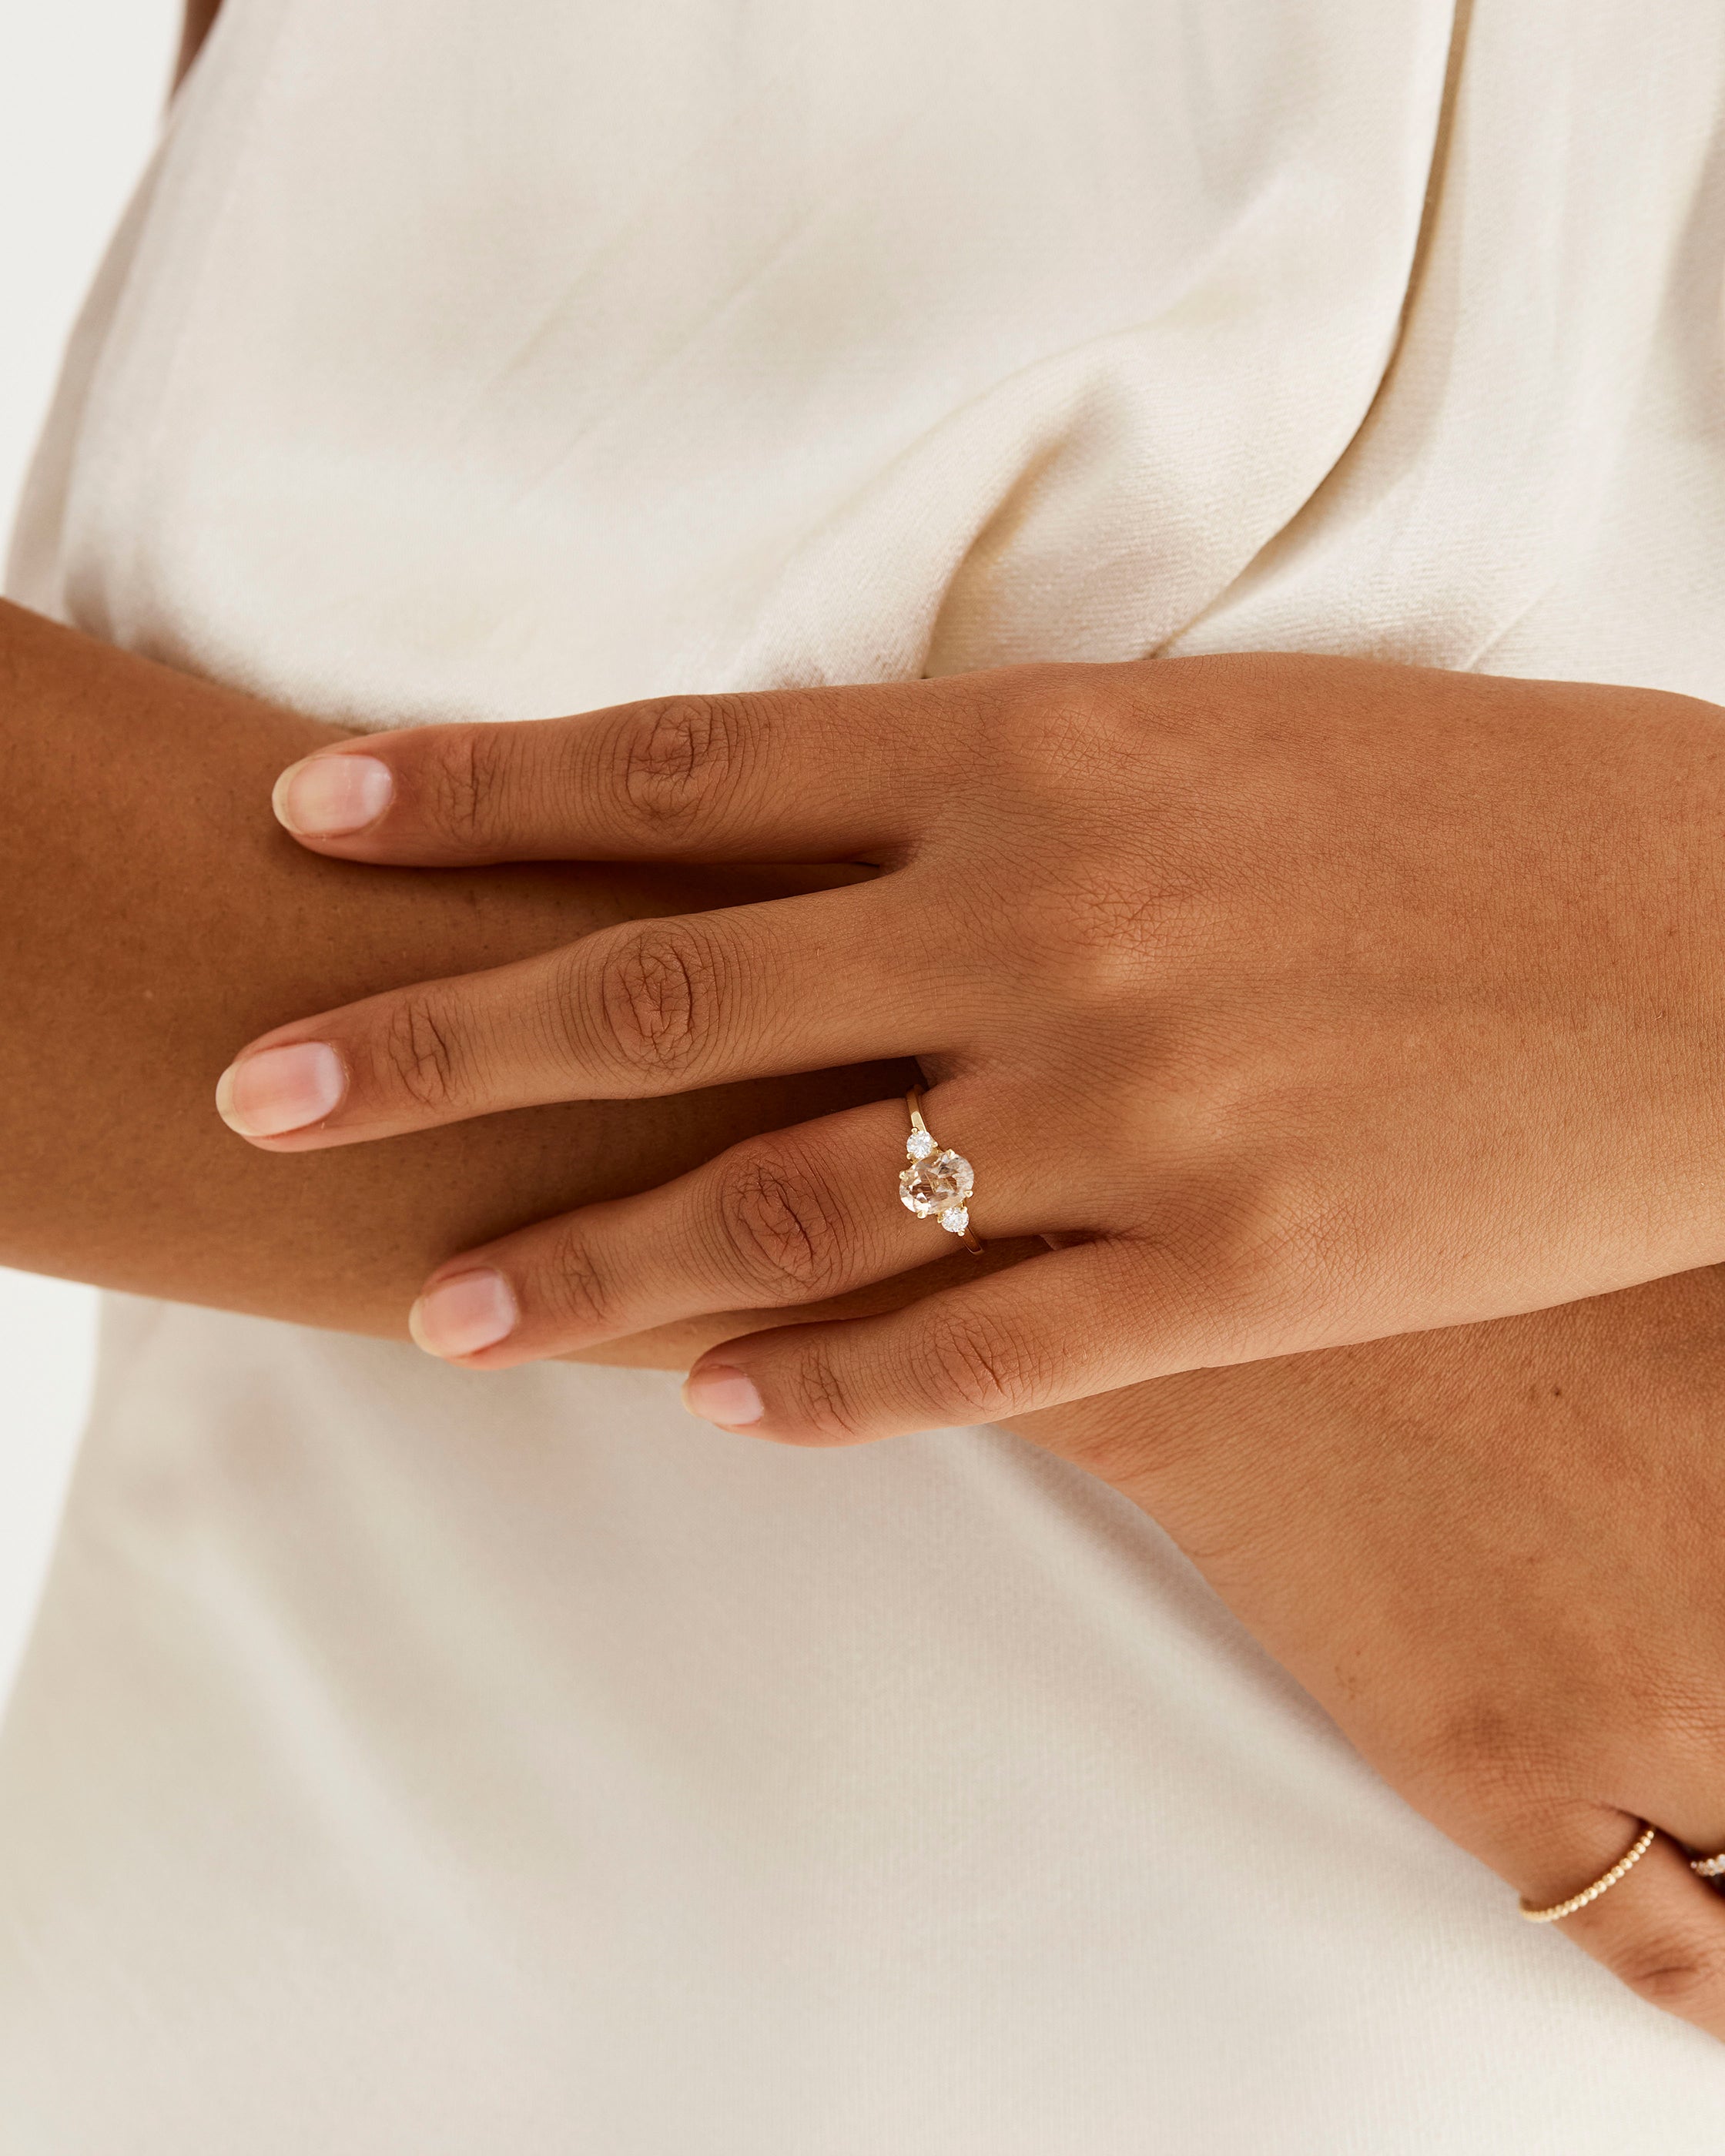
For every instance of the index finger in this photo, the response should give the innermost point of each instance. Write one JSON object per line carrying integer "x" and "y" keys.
{"x": 790, "y": 775}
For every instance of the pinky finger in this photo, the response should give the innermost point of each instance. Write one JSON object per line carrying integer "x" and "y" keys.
{"x": 1058, "y": 1327}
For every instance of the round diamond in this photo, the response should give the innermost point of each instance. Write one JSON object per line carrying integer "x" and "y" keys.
{"x": 919, "y": 1145}
{"x": 955, "y": 1219}
{"x": 936, "y": 1186}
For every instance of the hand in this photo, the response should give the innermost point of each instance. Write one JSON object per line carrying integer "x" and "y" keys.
{"x": 1300, "y": 1001}
{"x": 152, "y": 917}
{"x": 1492, "y": 1555}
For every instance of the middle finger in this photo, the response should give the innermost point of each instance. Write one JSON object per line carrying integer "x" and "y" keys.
{"x": 644, "y": 1009}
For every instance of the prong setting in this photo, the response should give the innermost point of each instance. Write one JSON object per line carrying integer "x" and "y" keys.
{"x": 937, "y": 1184}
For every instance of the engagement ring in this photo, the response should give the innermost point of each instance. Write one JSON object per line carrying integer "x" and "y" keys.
{"x": 937, "y": 1184}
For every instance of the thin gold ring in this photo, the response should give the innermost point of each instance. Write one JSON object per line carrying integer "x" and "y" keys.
{"x": 937, "y": 1184}
{"x": 1603, "y": 1885}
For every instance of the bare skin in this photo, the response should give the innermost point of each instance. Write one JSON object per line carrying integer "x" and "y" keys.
{"x": 127, "y": 972}
{"x": 1483, "y": 1485}
{"x": 154, "y": 914}
{"x": 1492, "y": 1555}
{"x": 1486, "y": 1551}
{"x": 1449, "y": 940}
{"x": 1304, "y": 1000}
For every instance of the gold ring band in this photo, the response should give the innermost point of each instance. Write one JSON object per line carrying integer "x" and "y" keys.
{"x": 1603, "y": 1885}
{"x": 1708, "y": 1867}
{"x": 937, "y": 1184}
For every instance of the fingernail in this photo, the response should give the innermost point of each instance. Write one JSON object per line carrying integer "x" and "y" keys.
{"x": 327, "y": 796}
{"x": 723, "y": 1395}
{"x": 280, "y": 1089}
{"x": 463, "y": 1314}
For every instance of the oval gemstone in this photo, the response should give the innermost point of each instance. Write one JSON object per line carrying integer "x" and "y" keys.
{"x": 937, "y": 1184}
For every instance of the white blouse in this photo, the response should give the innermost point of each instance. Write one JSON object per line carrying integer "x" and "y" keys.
{"x": 406, "y": 1761}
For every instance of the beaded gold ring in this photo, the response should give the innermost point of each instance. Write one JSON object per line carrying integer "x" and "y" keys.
{"x": 1603, "y": 1885}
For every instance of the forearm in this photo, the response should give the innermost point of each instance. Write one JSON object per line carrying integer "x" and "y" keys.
{"x": 155, "y": 918}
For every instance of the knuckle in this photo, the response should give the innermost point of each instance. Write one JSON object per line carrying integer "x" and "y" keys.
{"x": 679, "y": 755}
{"x": 418, "y": 1050}
{"x": 658, "y": 999}
{"x": 819, "y": 1405}
{"x": 1071, "y": 720}
{"x": 970, "y": 1370}
{"x": 1682, "y": 1971}
{"x": 1101, "y": 934}
{"x": 1495, "y": 1754}
{"x": 1254, "y": 1254}
{"x": 1112, "y": 919}
{"x": 573, "y": 1286}
{"x": 782, "y": 1229}
{"x": 462, "y": 786}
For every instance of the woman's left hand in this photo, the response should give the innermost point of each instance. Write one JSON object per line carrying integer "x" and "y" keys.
{"x": 1296, "y": 1001}
{"x": 1491, "y": 1556}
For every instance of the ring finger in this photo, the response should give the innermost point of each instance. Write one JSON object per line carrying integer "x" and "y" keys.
{"x": 794, "y": 1218}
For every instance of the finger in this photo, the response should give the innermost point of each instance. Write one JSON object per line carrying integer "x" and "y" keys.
{"x": 1084, "y": 1319}
{"x": 644, "y": 1009}
{"x": 799, "y": 775}
{"x": 1660, "y": 1930}
{"x": 790, "y": 1217}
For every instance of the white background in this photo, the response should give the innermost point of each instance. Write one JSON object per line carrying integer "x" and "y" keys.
{"x": 81, "y": 88}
